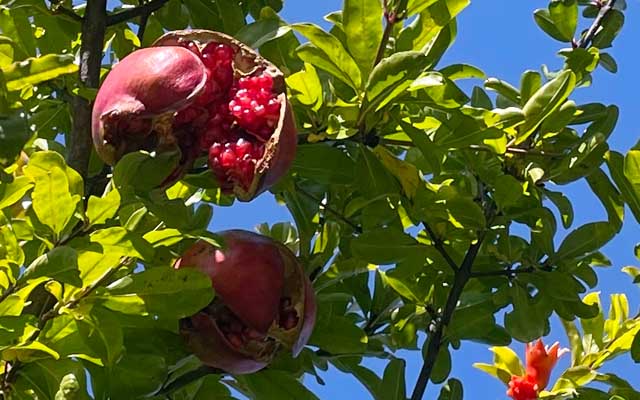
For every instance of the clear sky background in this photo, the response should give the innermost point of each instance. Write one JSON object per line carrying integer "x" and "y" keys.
{"x": 500, "y": 37}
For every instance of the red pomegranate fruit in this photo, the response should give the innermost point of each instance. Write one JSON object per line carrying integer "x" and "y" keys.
{"x": 208, "y": 95}
{"x": 264, "y": 302}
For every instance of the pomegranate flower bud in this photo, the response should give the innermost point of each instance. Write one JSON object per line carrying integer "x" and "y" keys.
{"x": 521, "y": 388}
{"x": 540, "y": 360}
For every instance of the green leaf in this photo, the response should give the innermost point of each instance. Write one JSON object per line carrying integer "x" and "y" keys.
{"x": 362, "y": 24}
{"x": 386, "y": 246}
{"x": 564, "y": 206}
{"x": 15, "y": 302}
{"x": 53, "y": 202}
{"x": 586, "y": 239}
{"x": 338, "y": 335}
{"x": 324, "y": 164}
{"x": 442, "y": 366}
{"x": 137, "y": 375}
{"x": 101, "y": 209}
{"x": 373, "y": 177}
{"x": 462, "y": 71}
{"x": 331, "y": 51}
{"x": 609, "y": 197}
{"x": 259, "y": 32}
{"x": 429, "y": 150}
{"x": 118, "y": 240}
{"x": 161, "y": 291}
{"x": 608, "y": 62}
{"x": 392, "y": 77}
{"x": 434, "y": 17}
{"x": 545, "y": 22}
{"x": 626, "y": 175}
{"x": 33, "y": 71}
{"x": 60, "y": 264}
{"x": 14, "y": 134}
{"x": 144, "y": 171}
{"x": 543, "y": 102}
{"x": 564, "y": 14}
{"x": 635, "y": 348}
{"x": 13, "y": 192}
{"x": 610, "y": 27}
{"x": 271, "y": 384}
{"x": 530, "y": 82}
{"x": 452, "y": 390}
{"x": 393, "y": 384}
{"x": 507, "y": 359}
{"x": 504, "y": 88}
{"x": 306, "y": 88}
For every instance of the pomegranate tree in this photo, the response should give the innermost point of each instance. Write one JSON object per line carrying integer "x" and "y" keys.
{"x": 210, "y": 96}
{"x": 264, "y": 302}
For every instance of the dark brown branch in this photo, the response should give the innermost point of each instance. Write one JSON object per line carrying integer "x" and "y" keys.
{"x": 58, "y": 8}
{"x": 144, "y": 18}
{"x": 330, "y": 210}
{"x": 597, "y": 23}
{"x": 435, "y": 342}
{"x": 439, "y": 245}
{"x": 93, "y": 31}
{"x": 135, "y": 12}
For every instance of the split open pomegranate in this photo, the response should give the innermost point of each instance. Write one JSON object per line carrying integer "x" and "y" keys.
{"x": 208, "y": 95}
{"x": 264, "y": 302}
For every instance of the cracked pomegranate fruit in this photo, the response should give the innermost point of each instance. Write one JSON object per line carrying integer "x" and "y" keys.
{"x": 264, "y": 302}
{"x": 208, "y": 95}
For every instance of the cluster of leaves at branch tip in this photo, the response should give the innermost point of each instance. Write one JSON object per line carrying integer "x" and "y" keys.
{"x": 428, "y": 202}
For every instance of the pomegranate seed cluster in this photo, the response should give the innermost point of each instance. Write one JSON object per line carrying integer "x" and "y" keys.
{"x": 207, "y": 96}
{"x": 233, "y": 119}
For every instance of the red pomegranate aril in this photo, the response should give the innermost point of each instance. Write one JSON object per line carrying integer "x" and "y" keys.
{"x": 228, "y": 159}
{"x": 243, "y": 148}
{"x": 289, "y": 320}
{"x": 191, "y": 45}
{"x": 235, "y": 339}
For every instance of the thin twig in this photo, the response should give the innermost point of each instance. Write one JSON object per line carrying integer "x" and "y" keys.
{"x": 327, "y": 208}
{"x": 597, "y": 23}
{"x": 58, "y": 8}
{"x": 463, "y": 274}
{"x": 439, "y": 245}
{"x": 135, "y": 12}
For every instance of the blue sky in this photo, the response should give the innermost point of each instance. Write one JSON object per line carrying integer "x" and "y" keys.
{"x": 500, "y": 37}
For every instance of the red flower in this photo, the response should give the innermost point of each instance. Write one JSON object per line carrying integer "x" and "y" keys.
{"x": 521, "y": 388}
{"x": 540, "y": 361}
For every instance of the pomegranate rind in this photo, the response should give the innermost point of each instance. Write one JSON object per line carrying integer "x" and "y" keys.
{"x": 280, "y": 148}
{"x": 143, "y": 87}
{"x": 209, "y": 344}
{"x": 250, "y": 260}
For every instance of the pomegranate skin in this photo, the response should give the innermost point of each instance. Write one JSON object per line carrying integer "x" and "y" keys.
{"x": 139, "y": 90}
{"x": 163, "y": 98}
{"x": 259, "y": 282}
{"x": 280, "y": 148}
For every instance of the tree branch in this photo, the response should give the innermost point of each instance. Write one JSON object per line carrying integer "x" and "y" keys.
{"x": 325, "y": 207}
{"x": 597, "y": 23}
{"x": 135, "y": 12}
{"x": 439, "y": 245}
{"x": 463, "y": 274}
{"x": 58, "y": 8}
{"x": 93, "y": 30}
